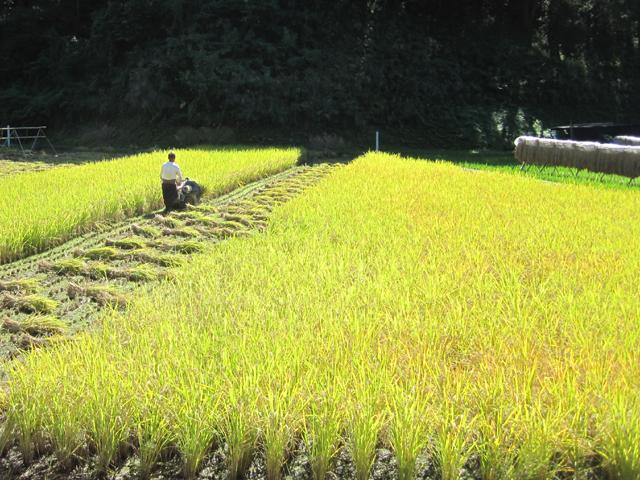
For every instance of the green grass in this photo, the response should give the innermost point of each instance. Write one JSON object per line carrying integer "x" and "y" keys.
{"x": 41, "y": 209}
{"x": 505, "y": 162}
{"x": 494, "y": 315}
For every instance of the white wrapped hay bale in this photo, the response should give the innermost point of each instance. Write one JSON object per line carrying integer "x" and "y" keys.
{"x": 596, "y": 157}
{"x": 627, "y": 140}
{"x": 535, "y": 151}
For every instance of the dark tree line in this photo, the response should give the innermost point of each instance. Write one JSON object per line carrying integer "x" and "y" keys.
{"x": 459, "y": 72}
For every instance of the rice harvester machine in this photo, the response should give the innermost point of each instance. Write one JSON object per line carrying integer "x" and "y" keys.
{"x": 189, "y": 193}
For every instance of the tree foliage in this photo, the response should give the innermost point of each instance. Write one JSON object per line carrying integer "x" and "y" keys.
{"x": 464, "y": 72}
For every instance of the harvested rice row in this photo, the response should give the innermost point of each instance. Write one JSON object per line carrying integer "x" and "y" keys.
{"x": 27, "y": 285}
{"x": 156, "y": 245}
{"x": 104, "y": 295}
{"x": 32, "y": 303}
{"x": 29, "y": 225}
{"x": 148, "y": 231}
{"x": 236, "y": 218}
{"x": 100, "y": 270}
{"x": 37, "y": 325}
{"x": 145, "y": 255}
{"x": 138, "y": 243}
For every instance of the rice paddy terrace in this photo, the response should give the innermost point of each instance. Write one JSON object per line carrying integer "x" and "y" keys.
{"x": 40, "y": 210}
{"x": 62, "y": 290}
{"x": 388, "y": 319}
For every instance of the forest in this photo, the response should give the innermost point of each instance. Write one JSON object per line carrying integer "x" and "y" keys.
{"x": 436, "y": 72}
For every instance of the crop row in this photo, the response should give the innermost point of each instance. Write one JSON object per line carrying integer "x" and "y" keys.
{"x": 62, "y": 291}
{"x": 398, "y": 303}
{"x": 42, "y": 209}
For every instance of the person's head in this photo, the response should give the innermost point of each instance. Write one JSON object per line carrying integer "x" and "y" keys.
{"x": 172, "y": 157}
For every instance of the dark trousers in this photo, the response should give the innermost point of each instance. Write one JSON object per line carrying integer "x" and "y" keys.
{"x": 169, "y": 195}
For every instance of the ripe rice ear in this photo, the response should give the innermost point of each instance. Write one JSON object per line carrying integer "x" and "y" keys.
{"x": 244, "y": 220}
{"x": 38, "y": 325}
{"x": 186, "y": 247}
{"x": 149, "y": 256}
{"x": 100, "y": 294}
{"x": 27, "y": 285}
{"x": 130, "y": 243}
{"x": 141, "y": 273}
{"x": 72, "y": 266}
{"x": 29, "y": 303}
{"x": 185, "y": 232}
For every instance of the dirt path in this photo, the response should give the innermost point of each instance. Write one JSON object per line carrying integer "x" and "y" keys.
{"x": 62, "y": 291}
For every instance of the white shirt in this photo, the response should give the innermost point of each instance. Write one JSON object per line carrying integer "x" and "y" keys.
{"x": 171, "y": 171}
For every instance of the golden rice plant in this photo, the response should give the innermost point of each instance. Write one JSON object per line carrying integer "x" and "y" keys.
{"x": 42, "y": 209}
{"x": 398, "y": 303}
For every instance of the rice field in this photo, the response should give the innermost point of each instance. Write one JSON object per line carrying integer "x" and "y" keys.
{"x": 42, "y": 209}
{"x": 70, "y": 286}
{"x": 439, "y": 313}
{"x": 13, "y": 162}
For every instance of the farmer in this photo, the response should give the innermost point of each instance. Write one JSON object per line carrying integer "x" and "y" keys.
{"x": 171, "y": 176}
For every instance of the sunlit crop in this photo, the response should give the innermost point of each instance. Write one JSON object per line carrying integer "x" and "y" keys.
{"x": 399, "y": 302}
{"x": 41, "y": 209}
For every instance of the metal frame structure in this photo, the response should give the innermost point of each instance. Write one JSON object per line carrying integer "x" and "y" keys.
{"x": 10, "y": 134}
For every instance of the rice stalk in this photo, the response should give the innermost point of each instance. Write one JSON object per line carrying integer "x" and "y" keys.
{"x": 24, "y": 285}
{"x": 29, "y": 303}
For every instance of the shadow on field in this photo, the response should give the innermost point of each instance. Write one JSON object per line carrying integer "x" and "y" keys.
{"x": 489, "y": 158}
{"x": 12, "y": 161}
